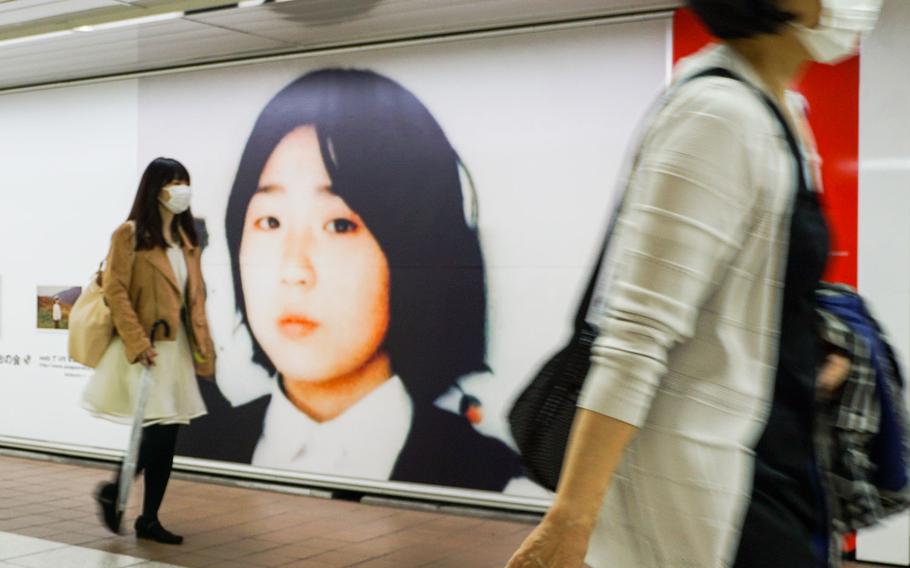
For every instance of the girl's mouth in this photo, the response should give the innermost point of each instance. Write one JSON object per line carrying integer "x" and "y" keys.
{"x": 295, "y": 326}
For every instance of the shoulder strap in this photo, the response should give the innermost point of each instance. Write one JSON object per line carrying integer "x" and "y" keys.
{"x": 792, "y": 140}
{"x": 584, "y": 308}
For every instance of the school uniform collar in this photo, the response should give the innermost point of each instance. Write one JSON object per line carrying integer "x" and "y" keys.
{"x": 364, "y": 441}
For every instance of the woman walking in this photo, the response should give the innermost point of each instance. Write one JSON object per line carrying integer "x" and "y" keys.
{"x": 154, "y": 273}
{"x": 709, "y": 305}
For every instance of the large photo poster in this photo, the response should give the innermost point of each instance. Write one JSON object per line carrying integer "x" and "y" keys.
{"x": 395, "y": 240}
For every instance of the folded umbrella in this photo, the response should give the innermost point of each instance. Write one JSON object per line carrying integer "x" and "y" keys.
{"x": 131, "y": 458}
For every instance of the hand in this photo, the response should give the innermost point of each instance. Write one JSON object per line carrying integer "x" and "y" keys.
{"x": 554, "y": 543}
{"x": 205, "y": 364}
{"x": 147, "y": 357}
{"x": 833, "y": 373}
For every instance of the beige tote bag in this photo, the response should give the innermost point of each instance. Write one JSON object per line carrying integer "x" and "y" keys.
{"x": 90, "y": 327}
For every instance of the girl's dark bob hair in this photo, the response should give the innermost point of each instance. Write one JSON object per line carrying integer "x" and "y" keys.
{"x": 740, "y": 19}
{"x": 390, "y": 161}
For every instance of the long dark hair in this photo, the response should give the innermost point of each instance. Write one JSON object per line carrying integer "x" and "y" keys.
{"x": 390, "y": 161}
{"x": 146, "y": 213}
{"x": 740, "y": 19}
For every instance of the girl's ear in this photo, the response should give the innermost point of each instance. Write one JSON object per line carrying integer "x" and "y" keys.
{"x": 468, "y": 196}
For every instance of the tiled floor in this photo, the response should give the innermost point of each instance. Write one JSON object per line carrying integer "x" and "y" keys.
{"x": 28, "y": 552}
{"x": 232, "y": 527}
{"x": 229, "y": 527}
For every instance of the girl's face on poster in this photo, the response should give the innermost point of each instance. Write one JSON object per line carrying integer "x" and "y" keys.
{"x": 315, "y": 280}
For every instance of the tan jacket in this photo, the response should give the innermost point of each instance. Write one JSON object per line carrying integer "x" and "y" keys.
{"x": 140, "y": 287}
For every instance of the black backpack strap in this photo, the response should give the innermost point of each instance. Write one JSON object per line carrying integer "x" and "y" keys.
{"x": 582, "y": 314}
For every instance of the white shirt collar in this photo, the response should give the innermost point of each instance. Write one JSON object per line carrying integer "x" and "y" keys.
{"x": 364, "y": 442}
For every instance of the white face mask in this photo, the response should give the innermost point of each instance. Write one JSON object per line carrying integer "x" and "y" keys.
{"x": 841, "y": 29}
{"x": 179, "y": 200}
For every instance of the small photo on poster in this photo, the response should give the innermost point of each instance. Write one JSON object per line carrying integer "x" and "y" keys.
{"x": 54, "y": 305}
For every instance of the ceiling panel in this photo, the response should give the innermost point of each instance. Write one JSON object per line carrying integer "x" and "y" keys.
{"x": 178, "y": 42}
{"x": 315, "y": 22}
{"x": 21, "y": 11}
{"x": 284, "y": 27}
{"x": 149, "y": 3}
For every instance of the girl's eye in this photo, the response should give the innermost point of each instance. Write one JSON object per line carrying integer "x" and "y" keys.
{"x": 267, "y": 223}
{"x": 341, "y": 226}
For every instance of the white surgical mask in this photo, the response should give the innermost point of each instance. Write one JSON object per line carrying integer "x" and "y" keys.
{"x": 841, "y": 29}
{"x": 179, "y": 200}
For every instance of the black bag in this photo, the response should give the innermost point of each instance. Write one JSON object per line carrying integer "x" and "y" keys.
{"x": 542, "y": 416}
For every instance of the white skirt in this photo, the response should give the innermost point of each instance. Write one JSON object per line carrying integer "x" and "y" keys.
{"x": 174, "y": 394}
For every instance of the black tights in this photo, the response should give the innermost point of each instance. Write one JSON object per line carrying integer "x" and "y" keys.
{"x": 156, "y": 459}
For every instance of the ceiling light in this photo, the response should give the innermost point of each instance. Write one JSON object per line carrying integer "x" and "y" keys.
{"x": 130, "y": 22}
{"x": 31, "y": 38}
{"x": 250, "y": 3}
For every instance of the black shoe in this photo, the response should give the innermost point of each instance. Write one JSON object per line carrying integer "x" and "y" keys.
{"x": 106, "y": 496}
{"x": 152, "y": 530}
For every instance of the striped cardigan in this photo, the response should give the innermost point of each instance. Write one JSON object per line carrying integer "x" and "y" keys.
{"x": 689, "y": 312}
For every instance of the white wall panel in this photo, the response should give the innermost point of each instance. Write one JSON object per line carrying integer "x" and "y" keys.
{"x": 542, "y": 120}
{"x": 884, "y": 211}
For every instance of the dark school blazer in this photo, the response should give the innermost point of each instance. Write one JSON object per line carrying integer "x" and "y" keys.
{"x": 442, "y": 448}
